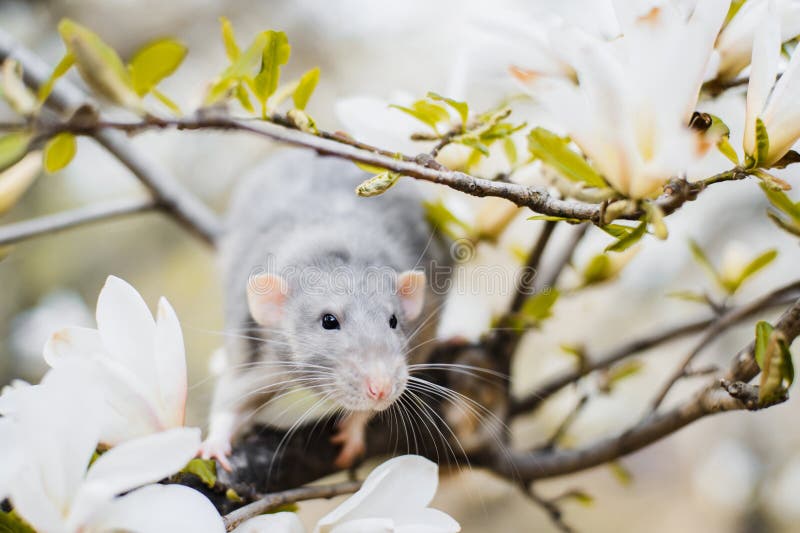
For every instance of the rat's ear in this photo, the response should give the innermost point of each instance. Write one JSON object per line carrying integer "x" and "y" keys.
{"x": 266, "y": 296}
{"x": 411, "y": 291}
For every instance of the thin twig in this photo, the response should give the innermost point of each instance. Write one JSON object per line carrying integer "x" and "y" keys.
{"x": 45, "y": 225}
{"x": 717, "y": 327}
{"x": 565, "y": 424}
{"x": 548, "y": 506}
{"x": 273, "y": 501}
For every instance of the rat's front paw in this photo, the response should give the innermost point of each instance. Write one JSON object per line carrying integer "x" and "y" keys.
{"x": 219, "y": 449}
{"x": 353, "y": 447}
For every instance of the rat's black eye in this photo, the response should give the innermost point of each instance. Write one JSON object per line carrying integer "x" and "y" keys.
{"x": 330, "y": 322}
{"x": 393, "y": 322}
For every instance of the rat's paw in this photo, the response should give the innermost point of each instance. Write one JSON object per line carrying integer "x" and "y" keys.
{"x": 353, "y": 446}
{"x": 218, "y": 449}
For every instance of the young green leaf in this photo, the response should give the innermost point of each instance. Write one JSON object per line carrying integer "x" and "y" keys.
{"x": 275, "y": 54}
{"x": 782, "y": 202}
{"x": 597, "y": 270}
{"x": 688, "y": 296}
{"x": 510, "y": 148}
{"x": 777, "y": 370}
{"x": 554, "y": 151}
{"x": 762, "y": 143}
{"x": 17, "y": 179}
{"x": 426, "y": 112}
{"x": 621, "y": 371}
{"x": 577, "y": 495}
{"x": 725, "y": 148}
{"x": 553, "y": 218}
{"x": 732, "y": 285}
{"x": 164, "y": 99}
{"x": 377, "y": 184}
{"x": 444, "y": 220}
{"x": 621, "y": 473}
{"x": 14, "y": 90}
{"x": 59, "y": 151}
{"x": 305, "y": 87}
{"x": 618, "y": 231}
{"x": 13, "y": 147}
{"x": 154, "y": 62}
{"x": 228, "y": 38}
{"x": 629, "y": 240}
{"x": 763, "y": 331}
{"x": 460, "y": 107}
{"x": 11, "y": 523}
{"x": 702, "y": 259}
{"x": 539, "y": 306}
{"x": 60, "y": 69}
{"x": 656, "y": 217}
{"x": 99, "y": 65}
{"x": 205, "y": 469}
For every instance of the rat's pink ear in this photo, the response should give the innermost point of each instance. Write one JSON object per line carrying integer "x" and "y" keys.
{"x": 411, "y": 291}
{"x": 266, "y": 296}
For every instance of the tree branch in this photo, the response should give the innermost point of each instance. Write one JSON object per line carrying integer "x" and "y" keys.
{"x": 270, "y": 502}
{"x": 13, "y": 233}
{"x": 170, "y": 195}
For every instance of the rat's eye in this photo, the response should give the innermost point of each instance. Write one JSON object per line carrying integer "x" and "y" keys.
{"x": 393, "y": 322}
{"x": 330, "y": 322}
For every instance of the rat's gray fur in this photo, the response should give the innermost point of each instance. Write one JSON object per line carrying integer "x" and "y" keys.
{"x": 298, "y": 216}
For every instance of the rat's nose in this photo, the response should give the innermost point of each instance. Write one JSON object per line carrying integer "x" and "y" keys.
{"x": 378, "y": 387}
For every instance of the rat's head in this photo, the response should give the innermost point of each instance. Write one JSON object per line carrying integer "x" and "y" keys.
{"x": 348, "y": 340}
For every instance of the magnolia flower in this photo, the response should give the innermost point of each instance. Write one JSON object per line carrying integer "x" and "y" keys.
{"x": 630, "y": 110}
{"x": 735, "y": 42}
{"x": 774, "y": 103}
{"x": 393, "y": 499}
{"x": 139, "y": 361}
{"x": 55, "y": 428}
{"x": 12, "y": 456}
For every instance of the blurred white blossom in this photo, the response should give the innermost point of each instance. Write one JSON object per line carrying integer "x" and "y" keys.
{"x": 139, "y": 361}
{"x": 735, "y": 42}
{"x": 55, "y": 428}
{"x": 630, "y": 109}
{"x": 776, "y": 104}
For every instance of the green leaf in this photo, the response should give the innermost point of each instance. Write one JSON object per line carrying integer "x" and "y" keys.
{"x": 539, "y": 306}
{"x": 228, "y": 38}
{"x": 618, "y": 231}
{"x": 426, "y": 112}
{"x": 763, "y": 332}
{"x": 689, "y": 296}
{"x": 275, "y": 54}
{"x": 205, "y": 469}
{"x": 240, "y": 71}
{"x": 241, "y": 94}
{"x": 13, "y": 147}
{"x": 305, "y": 87}
{"x": 656, "y": 217}
{"x": 444, "y": 220}
{"x": 762, "y": 143}
{"x": 754, "y": 266}
{"x": 59, "y": 151}
{"x": 99, "y": 65}
{"x": 154, "y": 62}
{"x": 701, "y": 258}
{"x": 725, "y": 148}
{"x": 61, "y": 68}
{"x": 12, "y": 523}
{"x": 510, "y": 148}
{"x": 473, "y": 142}
{"x": 622, "y": 371}
{"x": 577, "y": 495}
{"x": 164, "y": 99}
{"x": 621, "y": 473}
{"x": 462, "y": 108}
{"x": 598, "y": 269}
{"x": 554, "y": 151}
{"x": 629, "y": 240}
{"x": 551, "y": 218}
{"x": 777, "y": 370}
{"x": 782, "y": 202}
{"x": 378, "y": 184}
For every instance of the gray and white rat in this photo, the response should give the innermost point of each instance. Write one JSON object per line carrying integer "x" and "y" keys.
{"x": 328, "y": 300}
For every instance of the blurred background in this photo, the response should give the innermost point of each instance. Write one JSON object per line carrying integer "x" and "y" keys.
{"x": 732, "y": 473}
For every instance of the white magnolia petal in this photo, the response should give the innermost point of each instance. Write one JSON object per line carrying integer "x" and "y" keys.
{"x": 170, "y": 361}
{"x": 72, "y": 342}
{"x": 703, "y": 29}
{"x": 127, "y": 328}
{"x": 12, "y": 456}
{"x": 735, "y": 42}
{"x": 272, "y": 523}
{"x": 763, "y": 70}
{"x": 782, "y": 115}
{"x": 156, "y": 509}
{"x": 33, "y": 503}
{"x": 144, "y": 460}
{"x": 426, "y": 521}
{"x": 398, "y": 486}
{"x": 366, "y": 525}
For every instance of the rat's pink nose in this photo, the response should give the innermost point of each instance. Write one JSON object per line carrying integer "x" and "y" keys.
{"x": 378, "y": 388}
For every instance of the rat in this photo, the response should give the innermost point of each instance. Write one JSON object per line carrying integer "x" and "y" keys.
{"x": 328, "y": 299}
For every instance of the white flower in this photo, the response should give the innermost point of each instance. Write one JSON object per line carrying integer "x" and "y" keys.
{"x": 394, "y": 498}
{"x": 735, "y": 42}
{"x": 56, "y": 426}
{"x": 774, "y": 103}
{"x": 630, "y": 110}
{"x": 140, "y": 362}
